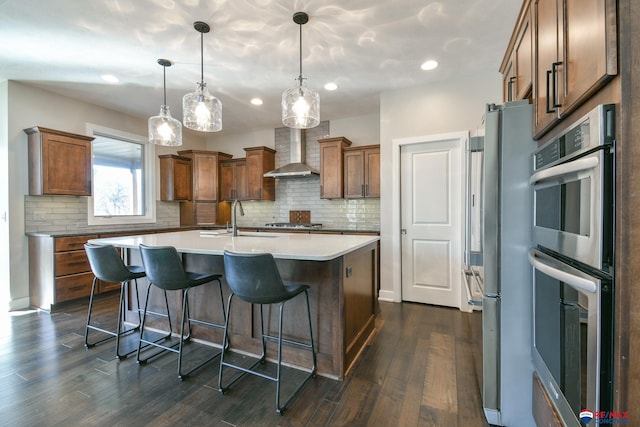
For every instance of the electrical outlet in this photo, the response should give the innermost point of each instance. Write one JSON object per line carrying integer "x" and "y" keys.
{"x": 39, "y": 215}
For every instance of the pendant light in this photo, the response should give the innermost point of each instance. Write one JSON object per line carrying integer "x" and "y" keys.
{"x": 300, "y": 104}
{"x": 201, "y": 110}
{"x": 164, "y": 129}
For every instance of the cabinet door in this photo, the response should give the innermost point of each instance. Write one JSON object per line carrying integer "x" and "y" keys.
{"x": 547, "y": 39}
{"x": 66, "y": 165}
{"x": 260, "y": 161}
{"x": 522, "y": 59}
{"x": 372, "y": 173}
{"x": 226, "y": 180}
{"x": 590, "y": 57}
{"x": 354, "y": 172}
{"x": 331, "y": 171}
{"x": 240, "y": 179}
{"x": 205, "y": 177}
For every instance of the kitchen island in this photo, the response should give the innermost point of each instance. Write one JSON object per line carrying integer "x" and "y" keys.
{"x": 340, "y": 270}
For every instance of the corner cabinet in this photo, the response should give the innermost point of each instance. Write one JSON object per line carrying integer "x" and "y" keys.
{"x": 59, "y": 162}
{"x": 362, "y": 172}
{"x": 203, "y": 206}
{"x": 517, "y": 65}
{"x": 331, "y": 167}
{"x": 175, "y": 178}
{"x": 571, "y": 64}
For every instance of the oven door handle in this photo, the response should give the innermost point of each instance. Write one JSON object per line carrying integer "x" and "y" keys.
{"x": 585, "y": 163}
{"x": 553, "y": 268}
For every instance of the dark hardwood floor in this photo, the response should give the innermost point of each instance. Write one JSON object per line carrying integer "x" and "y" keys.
{"x": 420, "y": 369}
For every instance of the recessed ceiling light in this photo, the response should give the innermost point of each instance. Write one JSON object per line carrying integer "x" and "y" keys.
{"x": 331, "y": 86}
{"x": 256, "y": 101}
{"x": 429, "y": 65}
{"x": 110, "y": 78}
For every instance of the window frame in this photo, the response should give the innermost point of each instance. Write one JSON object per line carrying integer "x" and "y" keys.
{"x": 148, "y": 179}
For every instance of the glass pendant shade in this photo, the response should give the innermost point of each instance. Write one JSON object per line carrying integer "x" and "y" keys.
{"x": 164, "y": 129}
{"x": 301, "y": 107}
{"x": 201, "y": 110}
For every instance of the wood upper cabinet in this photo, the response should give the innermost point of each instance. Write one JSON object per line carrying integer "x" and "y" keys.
{"x": 233, "y": 179}
{"x": 204, "y": 169}
{"x": 331, "y": 167}
{"x": 175, "y": 178}
{"x": 517, "y": 65}
{"x": 576, "y": 54}
{"x": 259, "y": 161}
{"x": 59, "y": 162}
{"x": 362, "y": 172}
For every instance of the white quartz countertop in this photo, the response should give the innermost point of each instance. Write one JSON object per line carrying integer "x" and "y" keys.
{"x": 313, "y": 247}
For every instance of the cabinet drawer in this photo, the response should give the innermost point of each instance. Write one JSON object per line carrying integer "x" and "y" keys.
{"x": 108, "y": 286}
{"x": 74, "y": 243}
{"x": 73, "y": 286}
{"x": 71, "y": 262}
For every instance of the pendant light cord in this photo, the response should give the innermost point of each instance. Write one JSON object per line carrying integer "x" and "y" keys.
{"x": 164, "y": 83}
{"x": 300, "y": 77}
{"x": 202, "y": 58}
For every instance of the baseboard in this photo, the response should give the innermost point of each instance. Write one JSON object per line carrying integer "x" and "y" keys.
{"x": 387, "y": 296}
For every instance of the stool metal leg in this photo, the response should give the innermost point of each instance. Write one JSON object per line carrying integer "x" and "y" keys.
{"x": 250, "y": 370}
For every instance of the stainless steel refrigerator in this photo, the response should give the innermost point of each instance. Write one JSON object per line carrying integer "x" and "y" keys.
{"x": 507, "y": 279}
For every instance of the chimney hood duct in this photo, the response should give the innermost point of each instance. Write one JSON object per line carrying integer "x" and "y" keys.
{"x": 296, "y": 167}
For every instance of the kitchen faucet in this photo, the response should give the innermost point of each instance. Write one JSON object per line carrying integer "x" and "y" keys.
{"x": 234, "y": 223}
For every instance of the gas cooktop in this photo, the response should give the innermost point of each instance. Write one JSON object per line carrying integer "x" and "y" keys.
{"x": 312, "y": 225}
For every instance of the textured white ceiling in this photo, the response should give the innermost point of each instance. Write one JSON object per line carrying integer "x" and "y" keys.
{"x": 365, "y": 46}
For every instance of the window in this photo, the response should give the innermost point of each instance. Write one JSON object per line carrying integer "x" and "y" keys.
{"x": 123, "y": 170}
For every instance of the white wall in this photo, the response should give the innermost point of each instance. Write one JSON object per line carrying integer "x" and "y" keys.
{"x": 443, "y": 107}
{"x": 361, "y": 130}
{"x": 28, "y": 106}
{"x": 233, "y": 144}
{"x": 4, "y": 198}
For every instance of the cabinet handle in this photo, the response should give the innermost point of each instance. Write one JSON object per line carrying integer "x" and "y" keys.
{"x": 321, "y": 191}
{"x": 366, "y": 190}
{"x": 554, "y": 74}
{"x": 362, "y": 189}
{"x": 510, "y": 88}
{"x": 260, "y": 193}
{"x": 549, "y": 110}
{"x": 77, "y": 288}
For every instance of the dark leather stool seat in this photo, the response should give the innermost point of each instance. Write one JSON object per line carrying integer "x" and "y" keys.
{"x": 165, "y": 271}
{"x": 255, "y": 279}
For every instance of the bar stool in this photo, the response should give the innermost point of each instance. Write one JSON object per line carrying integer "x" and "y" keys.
{"x": 255, "y": 279}
{"x": 107, "y": 265}
{"x": 164, "y": 270}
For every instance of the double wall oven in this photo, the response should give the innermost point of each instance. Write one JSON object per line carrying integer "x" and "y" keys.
{"x": 573, "y": 264}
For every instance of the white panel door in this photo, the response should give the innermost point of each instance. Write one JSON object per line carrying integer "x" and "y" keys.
{"x": 432, "y": 229}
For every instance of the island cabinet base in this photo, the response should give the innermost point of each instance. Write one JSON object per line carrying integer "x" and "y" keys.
{"x": 342, "y": 296}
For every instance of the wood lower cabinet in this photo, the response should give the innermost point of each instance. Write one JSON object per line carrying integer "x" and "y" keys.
{"x": 175, "y": 178}
{"x": 59, "y": 162}
{"x": 59, "y": 270}
{"x": 331, "y": 167}
{"x": 362, "y": 172}
{"x": 571, "y": 63}
{"x": 233, "y": 180}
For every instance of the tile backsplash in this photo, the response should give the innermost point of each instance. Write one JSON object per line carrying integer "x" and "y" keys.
{"x": 68, "y": 214}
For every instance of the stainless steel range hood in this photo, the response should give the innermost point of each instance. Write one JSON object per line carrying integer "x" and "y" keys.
{"x": 296, "y": 168}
